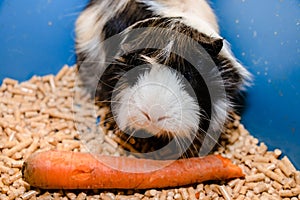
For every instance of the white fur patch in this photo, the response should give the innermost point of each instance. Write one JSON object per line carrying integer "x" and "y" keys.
{"x": 158, "y": 103}
{"x": 195, "y": 13}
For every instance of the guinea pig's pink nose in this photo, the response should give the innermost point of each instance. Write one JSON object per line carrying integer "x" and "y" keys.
{"x": 156, "y": 113}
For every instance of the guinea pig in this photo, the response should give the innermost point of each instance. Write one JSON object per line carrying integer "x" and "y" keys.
{"x": 162, "y": 67}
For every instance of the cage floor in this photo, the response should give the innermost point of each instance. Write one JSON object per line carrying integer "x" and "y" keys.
{"x": 50, "y": 112}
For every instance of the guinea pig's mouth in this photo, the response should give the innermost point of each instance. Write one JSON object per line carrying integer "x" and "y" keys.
{"x": 152, "y": 129}
{"x": 149, "y": 132}
{"x": 164, "y": 145}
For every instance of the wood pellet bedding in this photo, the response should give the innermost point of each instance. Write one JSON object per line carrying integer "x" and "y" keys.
{"x": 50, "y": 112}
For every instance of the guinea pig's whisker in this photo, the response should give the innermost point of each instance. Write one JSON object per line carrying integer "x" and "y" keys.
{"x": 215, "y": 140}
{"x": 108, "y": 119}
{"x": 117, "y": 102}
{"x": 113, "y": 62}
{"x": 178, "y": 144}
{"x": 182, "y": 145}
{"x": 130, "y": 136}
{"x": 166, "y": 134}
{"x": 106, "y": 84}
{"x": 129, "y": 124}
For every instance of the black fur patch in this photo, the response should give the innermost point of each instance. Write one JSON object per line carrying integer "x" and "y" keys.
{"x": 132, "y": 13}
{"x": 232, "y": 78}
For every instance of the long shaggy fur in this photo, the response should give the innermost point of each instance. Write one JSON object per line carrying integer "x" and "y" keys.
{"x": 119, "y": 71}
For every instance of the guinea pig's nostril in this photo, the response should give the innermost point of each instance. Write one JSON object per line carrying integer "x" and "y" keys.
{"x": 146, "y": 115}
{"x": 162, "y": 118}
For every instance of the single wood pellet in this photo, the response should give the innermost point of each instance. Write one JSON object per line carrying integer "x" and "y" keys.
{"x": 255, "y": 177}
{"x": 53, "y": 112}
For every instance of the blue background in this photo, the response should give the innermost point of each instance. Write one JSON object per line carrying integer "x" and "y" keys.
{"x": 37, "y": 37}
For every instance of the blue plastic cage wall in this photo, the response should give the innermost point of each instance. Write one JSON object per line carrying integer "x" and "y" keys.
{"x": 37, "y": 38}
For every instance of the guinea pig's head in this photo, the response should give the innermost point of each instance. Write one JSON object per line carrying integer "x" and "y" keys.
{"x": 162, "y": 79}
{"x": 157, "y": 100}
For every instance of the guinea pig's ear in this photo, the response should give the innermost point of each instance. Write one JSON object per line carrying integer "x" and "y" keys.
{"x": 213, "y": 47}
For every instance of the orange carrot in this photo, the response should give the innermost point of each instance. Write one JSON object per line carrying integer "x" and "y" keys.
{"x": 70, "y": 170}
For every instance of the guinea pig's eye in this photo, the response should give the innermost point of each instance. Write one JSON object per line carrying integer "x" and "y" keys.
{"x": 187, "y": 75}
